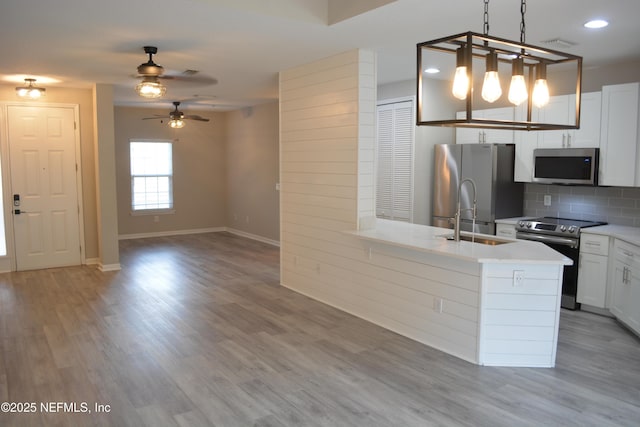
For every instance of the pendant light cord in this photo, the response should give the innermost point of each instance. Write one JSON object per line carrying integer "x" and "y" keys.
{"x": 486, "y": 17}
{"x": 523, "y": 10}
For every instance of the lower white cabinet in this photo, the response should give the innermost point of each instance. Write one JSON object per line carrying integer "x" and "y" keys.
{"x": 592, "y": 270}
{"x": 625, "y": 282}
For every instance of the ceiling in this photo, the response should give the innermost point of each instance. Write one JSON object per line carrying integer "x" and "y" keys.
{"x": 245, "y": 43}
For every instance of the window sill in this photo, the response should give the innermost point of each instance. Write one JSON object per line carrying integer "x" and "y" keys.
{"x": 147, "y": 212}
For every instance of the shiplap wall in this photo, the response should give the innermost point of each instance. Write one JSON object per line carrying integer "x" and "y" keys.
{"x": 327, "y": 147}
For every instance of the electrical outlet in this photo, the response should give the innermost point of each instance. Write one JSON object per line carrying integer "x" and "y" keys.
{"x": 247, "y": 219}
{"x": 437, "y": 304}
{"x": 156, "y": 218}
{"x": 518, "y": 278}
{"x": 547, "y": 199}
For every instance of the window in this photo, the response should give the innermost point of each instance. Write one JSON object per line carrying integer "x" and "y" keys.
{"x": 151, "y": 176}
{"x": 394, "y": 186}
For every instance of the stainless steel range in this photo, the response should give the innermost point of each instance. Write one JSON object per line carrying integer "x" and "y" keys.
{"x": 563, "y": 235}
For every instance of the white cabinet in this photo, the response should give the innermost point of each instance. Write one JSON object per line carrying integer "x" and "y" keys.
{"x": 592, "y": 270}
{"x": 506, "y": 230}
{"x": 625, "y": 295}
{"x": 562, "y": 110}
{"x": 619, "y": 137}
{"x": 486, "y": 136}
{"x": 525, "y": 142}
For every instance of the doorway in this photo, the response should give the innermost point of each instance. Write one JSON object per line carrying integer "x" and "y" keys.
{"x": 44, "y": 169}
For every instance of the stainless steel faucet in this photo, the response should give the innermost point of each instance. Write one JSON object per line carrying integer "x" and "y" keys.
{"x": 456, "y": 230}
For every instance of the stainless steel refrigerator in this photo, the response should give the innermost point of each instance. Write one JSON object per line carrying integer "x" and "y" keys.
{"x": 490, "y": 166}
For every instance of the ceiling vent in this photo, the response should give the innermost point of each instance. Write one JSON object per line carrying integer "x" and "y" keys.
{"x": 559, "y": 43}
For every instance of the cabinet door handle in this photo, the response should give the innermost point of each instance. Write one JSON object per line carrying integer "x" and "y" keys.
{"x": 625, "y": 276}
{"x": 564, "y": 136}
{"x": 568, "y": 140}
{"x": 627, "y": 253}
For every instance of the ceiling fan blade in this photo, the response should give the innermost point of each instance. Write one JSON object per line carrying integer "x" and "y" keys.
{"x": 156, "y": 117}
{"x": 195, "y": 117}
{"x": 189, "y": 78}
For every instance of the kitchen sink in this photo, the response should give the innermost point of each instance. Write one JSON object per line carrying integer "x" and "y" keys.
{"x": 483, "y": 240}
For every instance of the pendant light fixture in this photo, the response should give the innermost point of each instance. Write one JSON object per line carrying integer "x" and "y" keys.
{"x": 461, "y": 78}
{"x": 540, "y": 96}
{"x": 491, "y": 90}
{"x": 518, "y": 88}
{"x": 533, "y": 69}
{"x": 30, "y": 90}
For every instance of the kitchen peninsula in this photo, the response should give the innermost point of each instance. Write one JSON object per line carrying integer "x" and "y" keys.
{"x": 492, "y": 303}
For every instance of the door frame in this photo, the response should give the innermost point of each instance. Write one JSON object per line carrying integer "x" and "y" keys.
{"x": 9, "y": 263}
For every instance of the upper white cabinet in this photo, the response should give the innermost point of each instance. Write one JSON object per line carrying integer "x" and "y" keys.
{"x": 562, "y": 110}
{"x": 619, "y": 154}
{"x": 486, "y": 136}
{"x": 525, "y": 142}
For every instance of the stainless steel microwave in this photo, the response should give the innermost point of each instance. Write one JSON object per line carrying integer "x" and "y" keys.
{"x": 572, "y": 166}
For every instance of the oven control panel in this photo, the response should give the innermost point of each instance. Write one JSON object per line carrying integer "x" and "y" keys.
{"x": 533, "y": 226}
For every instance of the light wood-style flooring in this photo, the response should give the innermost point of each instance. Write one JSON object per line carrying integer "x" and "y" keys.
{"x": 196, "y": 331}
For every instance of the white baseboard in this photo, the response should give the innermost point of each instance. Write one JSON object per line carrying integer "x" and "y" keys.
{"x": 171, "y": 233}
{"x": 108, "y": 267}
{"x": 253, "y": 237}
{"x": 5, "y": 264}
{"x": 92, "y": 261}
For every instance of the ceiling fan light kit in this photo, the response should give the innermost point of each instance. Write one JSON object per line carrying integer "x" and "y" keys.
{"x": 30, "y": 90}
{"x": 526, "y": 64}
{"x": 176, "y": 123}
{"x": 177, "y": 118}
{"x": 150, "y": 87}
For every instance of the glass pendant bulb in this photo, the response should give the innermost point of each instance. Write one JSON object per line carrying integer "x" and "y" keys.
{"x": 150, "y": 87}
{"x": 491, "y": 90}
{"x": 461, "y": 78}
{"x": 176, "y": 123}
{"x": 518, "y": 89}
{"x": 540, "y": 95}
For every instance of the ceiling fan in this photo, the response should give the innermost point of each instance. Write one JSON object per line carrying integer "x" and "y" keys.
{"x": 177, "y": 117}
{"x": 151, "y": 74}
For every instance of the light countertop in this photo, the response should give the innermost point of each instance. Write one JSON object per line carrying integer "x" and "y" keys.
{"x": 622, "y": 232}
{"x": 428, "y": 239}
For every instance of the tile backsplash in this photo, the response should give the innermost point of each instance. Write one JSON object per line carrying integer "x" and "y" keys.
{"x": 615, "y": 205}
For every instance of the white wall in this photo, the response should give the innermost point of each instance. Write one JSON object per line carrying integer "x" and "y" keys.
{"x": 327, "y": 112}
{"x": 425, "y": 138}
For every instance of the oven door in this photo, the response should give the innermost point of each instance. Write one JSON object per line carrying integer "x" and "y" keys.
{"x": 569, "y": 247}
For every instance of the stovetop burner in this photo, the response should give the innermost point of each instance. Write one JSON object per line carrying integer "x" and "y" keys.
{"x": 557, "y": 226}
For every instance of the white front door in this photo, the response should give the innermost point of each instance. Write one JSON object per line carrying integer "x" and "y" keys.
{"x": 42, "y": 147}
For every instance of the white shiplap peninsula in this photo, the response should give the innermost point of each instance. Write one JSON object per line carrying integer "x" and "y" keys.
{"x": 495, "y": 305}
{"x": 455, "y": 296}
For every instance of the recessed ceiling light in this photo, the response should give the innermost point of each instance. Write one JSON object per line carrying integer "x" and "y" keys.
{"x": 596, "y": 23}
{"x": 432, "y": 71}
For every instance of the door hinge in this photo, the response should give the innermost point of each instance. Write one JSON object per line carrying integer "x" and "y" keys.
{"x": 75, "y": 126}
{"x": 76, "y": 167}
